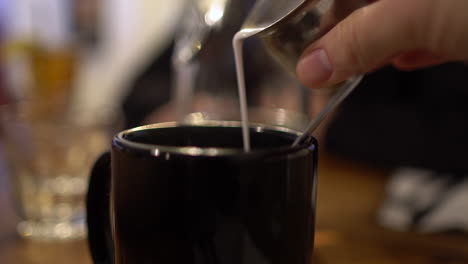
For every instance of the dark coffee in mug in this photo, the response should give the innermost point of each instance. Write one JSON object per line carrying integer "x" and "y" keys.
{"x": 180, "y": 194}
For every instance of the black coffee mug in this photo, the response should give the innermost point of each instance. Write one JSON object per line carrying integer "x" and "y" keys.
{"x": 177, "y": 194}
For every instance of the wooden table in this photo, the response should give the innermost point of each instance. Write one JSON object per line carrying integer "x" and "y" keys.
{"x": 347, "y": 233}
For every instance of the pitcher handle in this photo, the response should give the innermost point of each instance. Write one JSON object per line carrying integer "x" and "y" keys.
{"x": 343, "y": 90}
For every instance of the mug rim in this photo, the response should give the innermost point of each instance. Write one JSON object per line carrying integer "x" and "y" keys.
{"x": 120, "y": 141}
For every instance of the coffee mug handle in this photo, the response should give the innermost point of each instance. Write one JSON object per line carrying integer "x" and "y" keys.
{"x": 98, "y": 211}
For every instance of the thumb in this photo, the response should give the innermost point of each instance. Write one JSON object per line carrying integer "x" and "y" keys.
{"x": 367, "y": 39}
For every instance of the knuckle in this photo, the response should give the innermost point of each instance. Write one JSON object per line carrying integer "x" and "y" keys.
{"x": 424, "y": 24}
{"x": 352, "y": 37}
{"x": 441, "y": 31}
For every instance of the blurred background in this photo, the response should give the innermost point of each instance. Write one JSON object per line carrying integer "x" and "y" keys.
{"x": 66, "y": 69}
{"x": 73, "y": 72}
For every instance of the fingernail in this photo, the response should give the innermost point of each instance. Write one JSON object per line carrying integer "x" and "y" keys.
{"x": 314, "y": 68}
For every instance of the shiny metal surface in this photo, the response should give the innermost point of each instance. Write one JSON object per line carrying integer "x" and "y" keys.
{"x": 267, "y": 13}
{"x": 287, "y": 27}
{"x": 287, "y": 32}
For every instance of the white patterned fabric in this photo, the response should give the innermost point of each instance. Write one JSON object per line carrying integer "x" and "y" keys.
{"x": 426, "y": 201}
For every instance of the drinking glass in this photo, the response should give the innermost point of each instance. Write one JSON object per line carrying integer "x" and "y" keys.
{"x": 49, "y": 155}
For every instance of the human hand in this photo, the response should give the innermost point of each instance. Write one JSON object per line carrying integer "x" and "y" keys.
{"x": 408, "y": 34}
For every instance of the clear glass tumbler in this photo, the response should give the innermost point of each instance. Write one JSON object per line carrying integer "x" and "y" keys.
{"x": 49, "y": 155}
